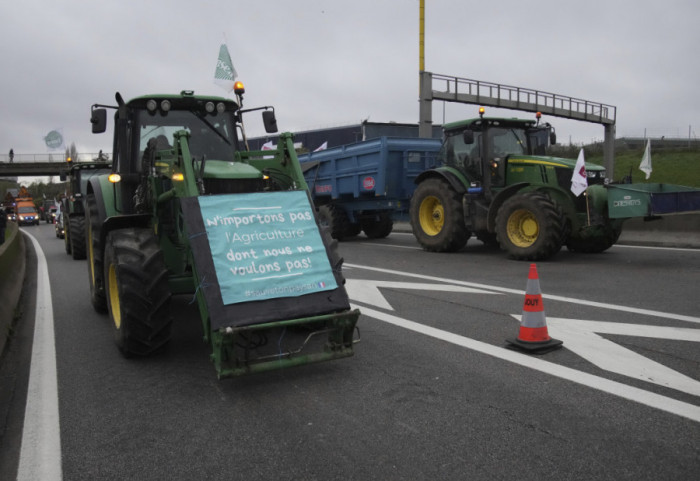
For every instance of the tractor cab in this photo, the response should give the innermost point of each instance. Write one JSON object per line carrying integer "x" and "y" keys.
{"x": 480, "y": 148}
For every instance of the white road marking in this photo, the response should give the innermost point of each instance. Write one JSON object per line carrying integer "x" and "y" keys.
{"x": 630, "y": 393}
{"x": 40, "y": 455}
{"x": 377, "y": 244}
{"x": 582, "y": 337}
{"x": 367, "y": 291}
{"x": 660, "y": 248}
{"x": 571, "y": 300}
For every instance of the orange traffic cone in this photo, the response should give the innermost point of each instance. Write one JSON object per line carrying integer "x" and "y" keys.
{"x": 533, "y": 334}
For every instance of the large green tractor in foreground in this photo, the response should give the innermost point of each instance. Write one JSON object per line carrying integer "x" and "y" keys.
{"x": 151, "y": 237}
{"x": 495, "y": 182}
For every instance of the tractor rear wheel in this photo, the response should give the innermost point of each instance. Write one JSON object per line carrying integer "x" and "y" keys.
{"x": 77, "y": 237}
{"x": 530, "y": 226}
{"x": 437, "y": 217}
{"x": 138, "y": 296}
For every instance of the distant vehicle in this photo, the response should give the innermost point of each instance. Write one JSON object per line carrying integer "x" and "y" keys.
{"x": 27, "y": 215}
{"x": 51, "y": 214}
{"x": 58, "y": 225}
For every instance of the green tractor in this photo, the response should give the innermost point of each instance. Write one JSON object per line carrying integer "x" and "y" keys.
{"x": 73, "y": 206}
{"x": 188, "y": 210}
{"x": 495, "y": 182}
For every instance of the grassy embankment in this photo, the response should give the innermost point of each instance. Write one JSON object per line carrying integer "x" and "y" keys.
{"x": 680, "y": 167}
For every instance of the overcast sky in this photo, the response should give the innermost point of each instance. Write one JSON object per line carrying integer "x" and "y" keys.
{"x": 330, "y": 63}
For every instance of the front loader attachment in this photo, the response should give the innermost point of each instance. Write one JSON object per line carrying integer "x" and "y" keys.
{"x": 269, "y": 285}
{"x": 263, "y": 347}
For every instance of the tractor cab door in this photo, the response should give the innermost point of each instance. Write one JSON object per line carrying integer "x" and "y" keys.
{"x": 463, "y": 151}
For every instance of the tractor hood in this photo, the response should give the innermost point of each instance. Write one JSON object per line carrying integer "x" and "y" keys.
{"x": 220, "y": 169}
{"x": 552, "y": 161}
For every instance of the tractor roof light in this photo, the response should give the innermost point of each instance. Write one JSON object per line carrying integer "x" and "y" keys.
{"x": 165, "y": 105}
{"x": 209, "y": 107}
{"x": 151, "y": 105}
{"x": 114, "y": 178}
{"x": 238, "y": 88}
{"x": 482, "y": 111}
{"x": 221, "y": 107}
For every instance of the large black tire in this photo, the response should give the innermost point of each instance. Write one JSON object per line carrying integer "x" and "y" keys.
{"x": 77, "y": 237}
{"x": 335, "y": 219}
{"x": 530, "y": 226}
{"x": 66, "y": 236}
{"x": 607, "y": 236}
{"x": 98, "y": 297}
{"x": 138, "y": 296}
{"x": 437, "y": 217}
{"x": 378, "y": 226}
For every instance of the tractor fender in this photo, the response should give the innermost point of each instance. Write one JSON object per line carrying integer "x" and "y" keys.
{"x": 101, "y": 187}
{"x": 108, "y": 216}
{"x": 455, "y": 178}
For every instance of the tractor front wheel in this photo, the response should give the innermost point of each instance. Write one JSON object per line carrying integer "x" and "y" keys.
{"x": 530, "y": 226}
{"x": 94, "y": 255}
{"x": 77, "y": 236}
{"x": 437, "y": 217}
{"x": 138, "y": 296}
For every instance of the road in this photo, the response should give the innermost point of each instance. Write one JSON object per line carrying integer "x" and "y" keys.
{"x": 432, "y": 392}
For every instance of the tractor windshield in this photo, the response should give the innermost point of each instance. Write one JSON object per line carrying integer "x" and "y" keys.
{"x": 212, "y": 136}
{"x": 508, "y": 141}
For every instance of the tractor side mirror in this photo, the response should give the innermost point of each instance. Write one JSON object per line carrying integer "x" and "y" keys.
{"x": 552, "y": 137}
{"x": 98, "y": 119}
{"x": 62, "y": 175}
{"x": 468, "y": 137}
{"x": 270, "y": 121}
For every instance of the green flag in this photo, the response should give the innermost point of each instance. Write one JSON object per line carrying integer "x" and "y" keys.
{"x": 225, "y": 74}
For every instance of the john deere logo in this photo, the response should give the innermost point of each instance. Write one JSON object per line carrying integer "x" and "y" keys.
{"x": 54, "y": 140}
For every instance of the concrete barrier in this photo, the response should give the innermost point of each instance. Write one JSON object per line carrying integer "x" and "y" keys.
{"x": 12, "y": 270}
{"x": 681, "y": 230}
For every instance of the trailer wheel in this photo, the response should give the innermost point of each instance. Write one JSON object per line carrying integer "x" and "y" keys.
{"x": 335, "y": 219}
{"x": 378, "y": 226}
{"x": 437, "y": 217}
{"x": 94, "y": 256}
{"x": 138, "y": 296}
{"x": 77, "y": 237}
{"x": 530, "y": 226}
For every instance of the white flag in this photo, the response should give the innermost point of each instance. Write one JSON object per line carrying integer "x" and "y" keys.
{"x": 323, "y": 146}
{"x": 645, "y": 166}
{"x": 225, "y": 74}
{"x": 579, "y": 180}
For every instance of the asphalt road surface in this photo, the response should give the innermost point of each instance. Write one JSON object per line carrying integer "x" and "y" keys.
{"x": 431, "y": 393}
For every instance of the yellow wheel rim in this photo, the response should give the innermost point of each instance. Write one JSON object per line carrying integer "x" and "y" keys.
{"x": 114, "y": 296}
{"x": 431, "y": 215}
{"x": 522, "y": 228}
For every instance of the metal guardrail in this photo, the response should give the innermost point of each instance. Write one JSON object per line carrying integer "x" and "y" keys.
{"x": 457, "y": 89}
{"x": 56, "y": 157}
